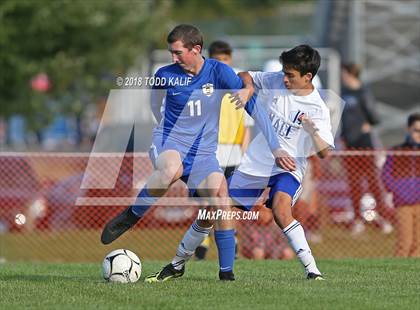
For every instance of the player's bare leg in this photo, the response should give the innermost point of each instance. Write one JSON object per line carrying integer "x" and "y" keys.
{"x": 168, "y": 170}
{"x": 191, "y": 239}
{"x": 282, "y": 213}
{"x": 215, "y": 188}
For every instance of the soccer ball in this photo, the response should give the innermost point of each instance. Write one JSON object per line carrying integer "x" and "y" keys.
{"x": 121, "y": 266}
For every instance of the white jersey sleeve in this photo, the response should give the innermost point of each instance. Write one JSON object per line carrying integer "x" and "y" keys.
{"x": 257, "y": 78}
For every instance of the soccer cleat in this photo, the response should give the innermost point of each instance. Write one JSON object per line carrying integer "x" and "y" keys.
{"x": 167, "y": 272}
{"x": 226, "y": 276}
{"x": 314, "y": 276}
{"x": 118, "y": 225}
{"x": 200, "y": 252}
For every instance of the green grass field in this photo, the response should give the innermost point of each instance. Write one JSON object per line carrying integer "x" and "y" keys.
{"x": 351, "y": 284}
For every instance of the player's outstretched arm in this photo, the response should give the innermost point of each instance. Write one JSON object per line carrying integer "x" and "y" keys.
{"x": 246, "y": 78}
{"x": 242, "y": 96}
{"x": 231, "y": 81}
{"x": 228, "y": 80}
{"x": 321, "y": 147}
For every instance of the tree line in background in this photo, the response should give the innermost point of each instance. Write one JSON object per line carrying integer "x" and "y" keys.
{"x": 70, "y": 51}
{"x": 79, "y": 45}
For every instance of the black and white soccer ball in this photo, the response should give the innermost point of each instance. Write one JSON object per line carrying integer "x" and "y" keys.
{"x": 121, "y": 266}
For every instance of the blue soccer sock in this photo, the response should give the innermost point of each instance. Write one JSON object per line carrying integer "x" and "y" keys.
{"x": 143, "y": 202}
{"x": 225, "y": 241}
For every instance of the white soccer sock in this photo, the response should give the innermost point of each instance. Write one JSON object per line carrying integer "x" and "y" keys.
{"x": 297, "y": 240}
{"x": 191, "y": 240}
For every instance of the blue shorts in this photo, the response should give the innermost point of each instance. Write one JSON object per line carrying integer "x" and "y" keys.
{"x": 196, "y": 167}
{"x": 245, "y": 189}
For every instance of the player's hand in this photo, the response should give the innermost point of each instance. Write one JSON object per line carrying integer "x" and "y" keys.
{"x": 284, "y": 160}
{"x": 308, "y": 124}
{"x": 241, "y": 97}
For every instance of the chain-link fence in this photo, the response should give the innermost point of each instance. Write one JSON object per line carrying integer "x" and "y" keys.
{"x": 349, "y": 208}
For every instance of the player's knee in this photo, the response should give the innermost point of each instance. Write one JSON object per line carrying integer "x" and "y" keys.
{"x": 222, "y": 200}
{"x": 170, "y": 173}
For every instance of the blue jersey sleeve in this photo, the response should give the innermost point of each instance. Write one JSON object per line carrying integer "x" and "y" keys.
{"x": 259, "y": 114}
{"x": 156, "y": 98}
{"x": 228, "y": 78}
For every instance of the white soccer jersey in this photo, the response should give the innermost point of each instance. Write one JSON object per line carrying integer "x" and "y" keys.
{"x": 284, "y": 109}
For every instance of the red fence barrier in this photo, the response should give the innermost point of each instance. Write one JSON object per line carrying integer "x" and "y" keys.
{"x": 51, "y": 210}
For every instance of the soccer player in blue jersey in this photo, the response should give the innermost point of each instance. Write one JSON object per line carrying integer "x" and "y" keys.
{"x": 185, "y": 142}
{"x": 302, "y": 123}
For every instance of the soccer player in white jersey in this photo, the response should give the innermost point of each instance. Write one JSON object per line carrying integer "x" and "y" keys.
{"x": 302, "y": 122}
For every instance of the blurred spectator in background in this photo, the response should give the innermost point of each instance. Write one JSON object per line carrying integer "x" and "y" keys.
{"x": 59, "y": 134}
{"x": 3, "y": 133}
{"x": 234, "y": 129}
{"x": 262, "y": 239}
{"x": 359, "y": 115}
{"x": 401, "y": 175}
{"x": 16, "y": 131}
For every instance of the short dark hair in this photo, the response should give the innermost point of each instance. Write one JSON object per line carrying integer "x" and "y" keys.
{"x": 189, "y": 35}
{"x": 412, "y": 118}
{"x": 302, "y": 58}
{"x": 220, "y": 47}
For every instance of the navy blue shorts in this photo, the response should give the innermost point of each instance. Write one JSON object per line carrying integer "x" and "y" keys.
{"x": 196, "y": 167}
{"x": 245, "y": 189}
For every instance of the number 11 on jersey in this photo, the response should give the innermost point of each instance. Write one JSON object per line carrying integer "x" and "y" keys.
{"x": 195, "y": 107}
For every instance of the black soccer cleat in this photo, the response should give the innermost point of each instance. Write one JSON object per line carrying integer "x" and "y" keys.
{"x": 226, "y": 276}
{"x": 314, "y": 276}
{"x": 200, "y": 252}
{"x": 118, "y": 225}
{"x": 167, "y": 272}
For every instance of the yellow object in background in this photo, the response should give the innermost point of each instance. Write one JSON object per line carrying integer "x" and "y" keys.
{"x": 231, "y": 123}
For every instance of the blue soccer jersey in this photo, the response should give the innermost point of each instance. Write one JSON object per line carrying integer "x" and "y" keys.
{"x": 191, "y": 107}
{"x": 192, "y": 104}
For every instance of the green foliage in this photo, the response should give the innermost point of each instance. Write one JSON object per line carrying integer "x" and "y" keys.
{"x": 83, "y": 44}
{"x": 80, "y": 44}
{"x": 244, "y": 9}
{"x": 219, "y": 18}
{"x": 229, "y": 7}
